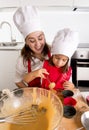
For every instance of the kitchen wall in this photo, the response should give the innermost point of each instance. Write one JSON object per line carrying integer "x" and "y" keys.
{"x": 55, "y": 20}
{"x": 5, "y": 34}
{"x": 52, "y": 21}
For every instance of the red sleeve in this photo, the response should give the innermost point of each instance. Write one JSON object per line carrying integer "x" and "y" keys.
{"x": 68, "y": 73}
{"x": 45, "y": 82}
{"x": 64, "y": 77}
{"x": 45, "y": 65}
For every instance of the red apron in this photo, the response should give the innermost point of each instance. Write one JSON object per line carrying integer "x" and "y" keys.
{"x": 37, "y": 81}
{"x": 55, "y": 75}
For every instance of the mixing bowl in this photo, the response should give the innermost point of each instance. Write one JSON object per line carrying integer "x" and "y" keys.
{"x": 45, "y": 101}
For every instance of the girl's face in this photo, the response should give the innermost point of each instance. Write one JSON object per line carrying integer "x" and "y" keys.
{"x": 60, "y": 60}
{"x": 36, "y": 41}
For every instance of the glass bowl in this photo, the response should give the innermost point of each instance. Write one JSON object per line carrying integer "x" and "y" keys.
{"x": 23, "y": 98}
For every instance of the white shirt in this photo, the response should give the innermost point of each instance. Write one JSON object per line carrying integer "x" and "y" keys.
{"x": 22, "y": 68}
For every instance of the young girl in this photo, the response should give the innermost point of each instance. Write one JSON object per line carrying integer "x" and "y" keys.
{"x": 63, "y": 47}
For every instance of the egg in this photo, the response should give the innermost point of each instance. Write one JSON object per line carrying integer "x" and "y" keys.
{"x": 52, "y": 85}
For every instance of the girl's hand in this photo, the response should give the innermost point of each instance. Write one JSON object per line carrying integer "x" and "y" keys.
{"x": 68, "y": 85}
{"x": 41, "y": 73}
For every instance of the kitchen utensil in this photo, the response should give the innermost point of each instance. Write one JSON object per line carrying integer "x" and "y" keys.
{"x": 22, "y": 117}
{"x": 87, "y": 99}
{"x": 16, "y": 106}
{"x": 52, "y": 84}
{"x": 85, "y": 120}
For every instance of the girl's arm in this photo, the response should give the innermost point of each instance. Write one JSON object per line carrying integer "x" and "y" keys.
{"x": 68, "y": 82}
{"x": 68, "y": 85}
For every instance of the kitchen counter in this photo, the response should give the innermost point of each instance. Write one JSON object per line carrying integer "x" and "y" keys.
{"x": 75, "y": 122}
{"x": 16, "y": 47}
{"x": 83, "y": 45}
{"x": 68, "y": 124}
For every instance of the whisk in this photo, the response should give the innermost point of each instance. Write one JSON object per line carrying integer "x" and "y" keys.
{"x": 24, "y": 116}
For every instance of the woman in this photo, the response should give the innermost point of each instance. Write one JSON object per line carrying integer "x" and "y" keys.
{"x": 29, "y": 65}
{"x": 64, "y": 45}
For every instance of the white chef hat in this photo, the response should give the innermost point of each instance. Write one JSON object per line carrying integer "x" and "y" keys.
{"x": 27, "y": 20}
{"x": 65, "y": 42}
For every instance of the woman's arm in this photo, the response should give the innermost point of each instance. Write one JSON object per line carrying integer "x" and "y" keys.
{"x": 34, "y": 74}
{"x": 31, "y": 76}
{"x": 22, "y": 78}
{"x": 21, "y": 84}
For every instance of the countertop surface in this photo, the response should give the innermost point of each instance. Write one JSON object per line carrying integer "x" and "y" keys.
{"x": 83, "y": 45}
{"x": 16, "y": 47}
{"x": 68, "y": 124}
{"x": 21, "y": 44}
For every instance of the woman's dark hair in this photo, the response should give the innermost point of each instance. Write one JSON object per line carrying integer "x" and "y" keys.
{"x": 64, "y": 68}
{"x": 27, "y": 53}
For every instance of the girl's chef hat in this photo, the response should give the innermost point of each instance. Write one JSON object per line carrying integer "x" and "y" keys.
{"x": 65, "y": 42}
{"x": 27, "y": 20}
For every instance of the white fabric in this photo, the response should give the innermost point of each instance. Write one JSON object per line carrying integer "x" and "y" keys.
{"x": 27, "y": 20}
{"x": 22, "y": 69}
{"x": 65, "y": 42}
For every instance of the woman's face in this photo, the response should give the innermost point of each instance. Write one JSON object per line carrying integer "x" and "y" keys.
{"x": 36, "y": 41}
{"x": 60, "y": 60}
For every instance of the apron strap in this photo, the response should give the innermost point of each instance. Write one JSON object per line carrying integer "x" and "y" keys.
{"x": 29, "y": 62}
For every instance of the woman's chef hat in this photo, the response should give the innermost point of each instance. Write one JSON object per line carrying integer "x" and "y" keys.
{"x": 65, "y": 42}
{"x": 27, "y": 20}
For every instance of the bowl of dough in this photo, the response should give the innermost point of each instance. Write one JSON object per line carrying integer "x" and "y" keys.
{"x": 31, "y": 108}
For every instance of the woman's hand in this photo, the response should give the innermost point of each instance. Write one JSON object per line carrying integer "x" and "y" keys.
{"x": 68, "y": 85}
{"x": 34, "y": 74}
{"x": 41, "y": 73}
